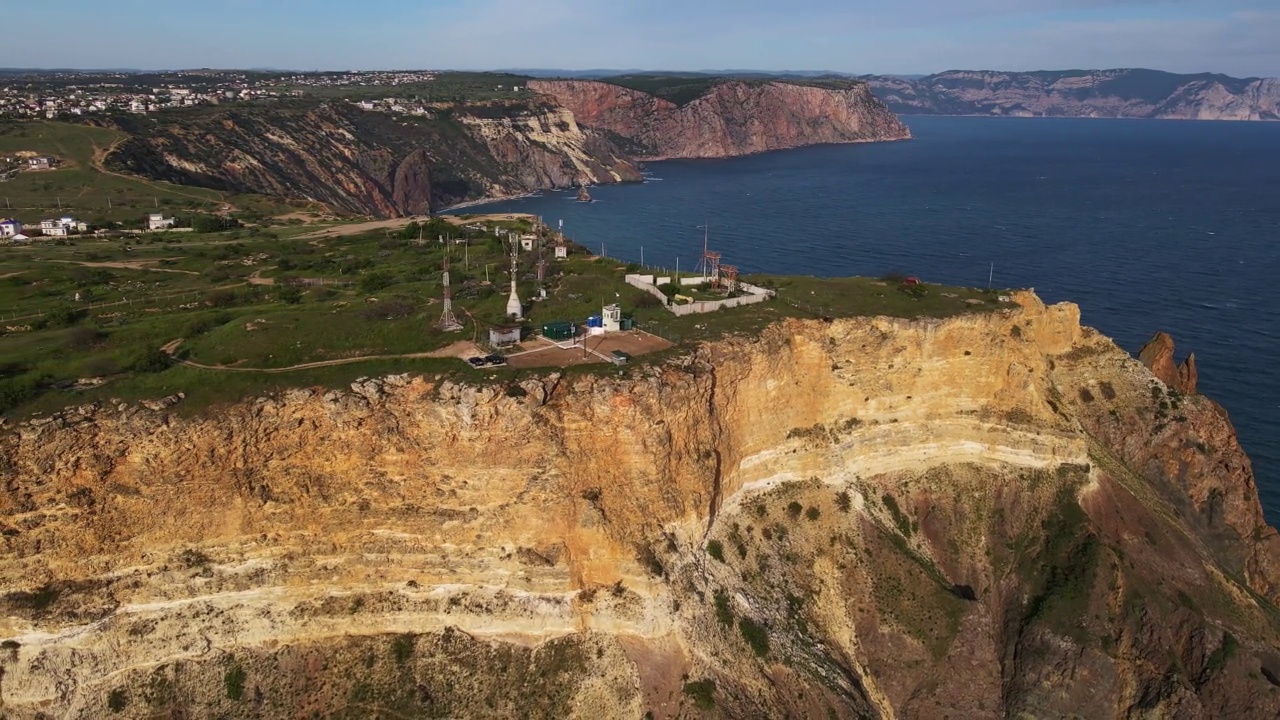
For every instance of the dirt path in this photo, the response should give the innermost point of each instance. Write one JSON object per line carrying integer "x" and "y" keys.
{"x": 171, "y": 348}
{"x": 357, "y": 228}
{"x": 128, "y": 265}
{"x": 256, "y": 278}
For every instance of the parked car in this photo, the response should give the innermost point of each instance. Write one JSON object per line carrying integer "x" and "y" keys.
{"x": 495, "y": 360}
{"x": 478, "y": 361}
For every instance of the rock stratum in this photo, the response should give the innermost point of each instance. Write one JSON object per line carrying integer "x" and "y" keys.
{"x": 727, "y": 118}
{"x": 994, "y": 515}
{"x": 384, "y": 165}
{"x": 1128, "y": 93}
{"x": 370, "y": 162}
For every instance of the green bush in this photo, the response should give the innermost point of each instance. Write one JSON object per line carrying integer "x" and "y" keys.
{"x": 375, "y": 281}
{"x": 724, "y": 613}
{"x": 716, "y": 550}
{"x": 813, "y": 513}
{"x": 117, "y": 700}
{"x": 150, "y": 360}
{"x": 289, "y": 295}
{"x": 755, "y": 635}
{"x": 702, "y": 692}
{"x": 402, "y": 649}
{"x": 233, "y": 680}
{"x": 794, "y": 509}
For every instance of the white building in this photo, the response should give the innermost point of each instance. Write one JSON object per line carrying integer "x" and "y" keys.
{"x": 10, "y": 228}
{"x": 156, "y": 221}
{"x": 562, "y": 251}
{"x": 612, "y": 318}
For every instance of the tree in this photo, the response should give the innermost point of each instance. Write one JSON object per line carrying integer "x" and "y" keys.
{"x": 375, "y": 281}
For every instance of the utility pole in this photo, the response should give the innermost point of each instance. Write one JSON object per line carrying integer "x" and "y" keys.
{"x": 991, "y": 274}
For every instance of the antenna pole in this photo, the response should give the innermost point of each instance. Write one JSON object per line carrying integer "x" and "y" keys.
{"x": 991, "y": 274}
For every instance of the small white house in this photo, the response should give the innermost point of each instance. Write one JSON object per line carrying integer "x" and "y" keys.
{"x": 526, "y": 242}
{"x": 10, "y": 228}
{"x": 53, "y": 230}
{"x": 612, "y": 318}
{"x": 156, "y": 221}
{"x": 41, "y": 163}
{"x": 562, "y": 251}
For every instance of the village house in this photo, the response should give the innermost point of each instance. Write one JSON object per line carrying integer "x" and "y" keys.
{"x": 42, "y": 162}
{"x": 156, "y": 221}
{"x": 10, "y": 228}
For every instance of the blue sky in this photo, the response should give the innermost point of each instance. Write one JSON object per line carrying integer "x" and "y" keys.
{"x": 1238, "y": 37}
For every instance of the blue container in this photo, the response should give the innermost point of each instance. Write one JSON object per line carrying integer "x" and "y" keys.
{"x": 595, "y": 321}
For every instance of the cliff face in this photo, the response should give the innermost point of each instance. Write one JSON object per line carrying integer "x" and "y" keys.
{"x": 987, "y": 516}
{"x": 730, "y": 118}
{"x": 370, "y": 163}
{"x": 1095, "y": 93}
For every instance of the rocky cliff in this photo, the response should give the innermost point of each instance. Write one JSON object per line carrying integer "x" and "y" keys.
{"x": 373, "y": 163}
{"x": 994, "y": 515}
{"x": 1083, "y": 93}
{"x": 727, "y": 118}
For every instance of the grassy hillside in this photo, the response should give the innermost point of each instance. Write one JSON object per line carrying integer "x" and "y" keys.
{"x": 81, "y": 187}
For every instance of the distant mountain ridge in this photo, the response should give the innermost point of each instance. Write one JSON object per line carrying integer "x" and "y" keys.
{"x": 1120, "y": 93}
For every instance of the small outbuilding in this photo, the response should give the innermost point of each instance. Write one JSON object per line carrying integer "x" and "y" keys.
{"x": 504, "y": 335}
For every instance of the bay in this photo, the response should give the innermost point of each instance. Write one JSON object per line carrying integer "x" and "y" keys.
{"x": 1147, "y": 225}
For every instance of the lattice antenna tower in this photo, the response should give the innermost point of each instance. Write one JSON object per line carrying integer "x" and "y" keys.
{"x": 448, "y": 321}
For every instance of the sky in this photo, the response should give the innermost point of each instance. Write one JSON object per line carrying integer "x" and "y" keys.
{"x": 1236, "y": 37}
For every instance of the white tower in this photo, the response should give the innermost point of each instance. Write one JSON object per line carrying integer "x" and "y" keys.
{"x": 515, "y": 310}
{"x": 448, "y": 322}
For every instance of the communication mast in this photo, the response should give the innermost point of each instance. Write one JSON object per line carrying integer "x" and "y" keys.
{"x": 448, "y": 322}
{"x": 515, "y": 309}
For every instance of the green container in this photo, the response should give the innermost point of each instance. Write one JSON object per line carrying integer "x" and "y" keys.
{"x": 561, "y": 330}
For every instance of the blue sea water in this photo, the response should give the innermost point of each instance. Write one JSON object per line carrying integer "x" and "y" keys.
{"x": 1147, "y": 225}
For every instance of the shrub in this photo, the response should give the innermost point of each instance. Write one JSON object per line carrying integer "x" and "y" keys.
{"x": 702, "y": 692}
{"x": 794, "y": 509}
{"x": 395, "y": 308}
{"x": 375, "y": 281}
{"x": 233, "y": 681}
{"x": 812, "y": 513}
{"x": 402, "y": 649}
{"x": 755, "y": 635}
{"x": 117, "y": 700}
{"x": 716, "y": 550}
{"x": 150, "y": 360}
{"x": 515, "y": 391}
{"x": 646, "y": 301}
{"x": 220, "y": 298}
{"x": 724, "y": 613}
{"x": 64, "y": 316}
{"x": 83, "y": 338}
{"x": 289, "y": 295}
{"x": 844, "y": 501}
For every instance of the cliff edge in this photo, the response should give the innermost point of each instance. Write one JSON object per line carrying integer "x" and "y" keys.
{"x": 727, "y": 118}
{"x": 986, "y": 516}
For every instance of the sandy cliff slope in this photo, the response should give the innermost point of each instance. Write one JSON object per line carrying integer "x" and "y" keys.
{"x": 994, "y": 515}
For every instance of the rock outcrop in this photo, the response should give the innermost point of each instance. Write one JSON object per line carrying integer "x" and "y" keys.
{"x": 371, "y": 163}
{"x": 1130, "y": 93}
{"x": 1157, "y": 355}
{"x": 729, "y": 118}
{"x": 993, "y": 515}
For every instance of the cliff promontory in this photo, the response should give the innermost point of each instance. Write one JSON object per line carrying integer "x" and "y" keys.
{"x": 724, "y": 118}
{"x": 995, "y": 515}
{"x": 1128, "y": 93}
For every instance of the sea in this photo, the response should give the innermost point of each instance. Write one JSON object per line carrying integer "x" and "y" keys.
{"x": 1148, "y": 225}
